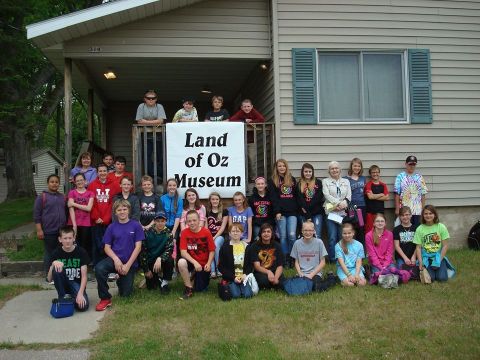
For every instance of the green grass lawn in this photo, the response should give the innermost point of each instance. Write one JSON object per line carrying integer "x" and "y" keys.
{"x": 440, "y": 321}
{"x": 32, "y": 250}
{"x": 15, "y": 213}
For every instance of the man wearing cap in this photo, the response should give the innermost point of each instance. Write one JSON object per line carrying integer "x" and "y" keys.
{"x": 410, "y": 190}
{"x": 156, "y": 256}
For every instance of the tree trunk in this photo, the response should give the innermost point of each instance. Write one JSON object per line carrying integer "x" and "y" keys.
{"x": 18, "y": 162}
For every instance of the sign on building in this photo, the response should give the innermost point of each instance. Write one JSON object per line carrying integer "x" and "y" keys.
{"x": 207, "y": 156}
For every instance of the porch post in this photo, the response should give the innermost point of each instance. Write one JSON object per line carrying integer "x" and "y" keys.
{"x": 90, "y": 116}
{"x": 103, "y": 131}
{"x": 68, "y": 118}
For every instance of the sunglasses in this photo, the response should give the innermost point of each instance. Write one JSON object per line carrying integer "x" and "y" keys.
{"x": 150, "y": 98}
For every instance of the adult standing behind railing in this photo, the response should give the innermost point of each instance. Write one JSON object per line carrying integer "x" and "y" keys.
{"x": 152, "y": 114}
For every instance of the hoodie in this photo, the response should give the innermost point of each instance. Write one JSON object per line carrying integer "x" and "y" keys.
{"x": 284, "y": 199}
{"x": 50, "y": 211}
{"x": 103, "y": 200}
{"x": 262, "y": 208}
{"x": 311, "y": 200}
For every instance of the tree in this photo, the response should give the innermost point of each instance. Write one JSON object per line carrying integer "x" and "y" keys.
{"x": 30, "y": 87}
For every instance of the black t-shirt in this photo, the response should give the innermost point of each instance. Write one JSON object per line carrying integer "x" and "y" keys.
{"x": 375, "y": 206}
{"x": 405, "y": 235}
{"x": 149, "y": 206}
{"x": 213, "y": 224}
{"x": 270, "y": 256}
{"x": 217, "y": 115}
{"x": 72, "y": 261}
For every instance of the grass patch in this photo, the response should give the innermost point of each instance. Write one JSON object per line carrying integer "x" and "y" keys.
{"x": 440, "y": 321}
{"x": 8, "y": 292}
{"x": 15, "y": 213}
{"x": 32, "y": 250}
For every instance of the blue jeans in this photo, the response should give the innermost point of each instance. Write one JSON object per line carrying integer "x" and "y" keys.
{"x": 239, "y": 290}
{"x": 439, "y": 273}
{"x": 124, "y": 282}
{"x": 334, "y": 235}
{"x": 287, "y": 228}
{"x": 65, "y": 286}
{"x": 97, "y": 243}
{"x": 317, "y": 223}
{"x": 255, "y": 232}
{"x": 218, "y": 244}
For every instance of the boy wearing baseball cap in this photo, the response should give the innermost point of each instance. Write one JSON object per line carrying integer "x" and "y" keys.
{"x": 410, "y": 190}
{"x": 156, "y": 256}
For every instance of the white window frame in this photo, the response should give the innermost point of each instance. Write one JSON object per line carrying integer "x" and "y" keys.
{"x": 406, "y": 93}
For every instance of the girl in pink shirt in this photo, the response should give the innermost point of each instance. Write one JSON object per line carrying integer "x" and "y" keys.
{"x": 379, "y": 245}
{"x": 80, "y": 202}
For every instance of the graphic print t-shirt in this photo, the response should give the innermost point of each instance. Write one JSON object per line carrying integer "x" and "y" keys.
{"x": 198, "y": 245}
{"x": 405, "y": 235}
{"x": 82, "y": 217}
{"x": 72, "y": 261}
{"x": 241, "y": 217}
{"x": 270, "y": 255}
{"x": 213, "y": 223}
{"x": 148, "y": 208}
{"x": 431, "y": 237}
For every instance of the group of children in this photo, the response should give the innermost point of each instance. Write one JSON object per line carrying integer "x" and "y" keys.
{"x": 253, "y": 236}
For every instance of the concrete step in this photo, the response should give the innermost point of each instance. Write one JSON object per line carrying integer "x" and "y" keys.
{"x": 21, "y": 268}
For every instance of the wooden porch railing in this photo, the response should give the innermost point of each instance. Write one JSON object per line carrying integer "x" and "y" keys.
{"x": 263, "y": 138}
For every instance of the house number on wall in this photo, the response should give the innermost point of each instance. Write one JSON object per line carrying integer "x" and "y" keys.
{"x": 94, "y": 49}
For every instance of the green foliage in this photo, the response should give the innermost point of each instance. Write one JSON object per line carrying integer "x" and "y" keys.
{"x": 15, "y": 213}
{"x": 32, "y": 250}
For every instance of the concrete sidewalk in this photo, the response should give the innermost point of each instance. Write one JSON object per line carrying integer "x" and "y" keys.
{"x": 26, "y": 318}
{"x": 77, "y": 354}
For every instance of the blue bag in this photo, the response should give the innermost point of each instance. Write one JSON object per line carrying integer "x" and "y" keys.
{"x": 298, "y": 286}
{"x": 62, "y": 308}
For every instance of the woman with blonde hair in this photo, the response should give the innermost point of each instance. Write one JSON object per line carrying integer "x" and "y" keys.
{"x": 283, "y": 193}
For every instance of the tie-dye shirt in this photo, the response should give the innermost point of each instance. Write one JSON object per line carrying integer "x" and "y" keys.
{"x": 411, "y": 188}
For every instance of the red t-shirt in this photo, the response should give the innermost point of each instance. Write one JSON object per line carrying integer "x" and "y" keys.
{"x": 198, "y": 245}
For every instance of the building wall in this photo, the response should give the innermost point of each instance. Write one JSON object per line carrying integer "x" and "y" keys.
{"x": 46, "y": 167}
{"x": 448, "y": 150}
{"x": 216, "y": 28}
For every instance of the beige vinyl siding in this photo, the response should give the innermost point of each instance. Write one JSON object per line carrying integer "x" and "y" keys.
{"x": 448, "y": 149}
{"x": 217, "y": 28}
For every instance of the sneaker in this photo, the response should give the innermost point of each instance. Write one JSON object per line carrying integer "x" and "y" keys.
{"x": 213, "y": 275}
{"x": 143, "y": 284}
{"x": 49, "y": 282}
{"x": 112, "y": 277}
{"x": 165, "y": 290}
{"x": 103, "y": 304}
{"x": 187, "y": 294}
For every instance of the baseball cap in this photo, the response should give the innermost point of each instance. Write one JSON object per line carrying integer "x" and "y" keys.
{"x": 411, "y": 160}
{"x": 160, "y": 215}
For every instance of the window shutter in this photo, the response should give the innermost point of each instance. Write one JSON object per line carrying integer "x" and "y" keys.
{"x": 420, "y": 86}
{"x": 304, "y": 86}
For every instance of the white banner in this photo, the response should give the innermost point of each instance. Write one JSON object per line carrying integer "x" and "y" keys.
{"x": 207, "y": 156}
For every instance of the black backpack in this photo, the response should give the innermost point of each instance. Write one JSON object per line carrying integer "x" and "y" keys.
{"x": 474, "y": 237}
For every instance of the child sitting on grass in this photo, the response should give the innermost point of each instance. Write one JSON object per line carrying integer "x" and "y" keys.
{"x": 123, "y": 243}
{"x": 232, "y": 264}
{"x": 156, "y": 256}
{"x": 309, "y": 253}
{"x": 68, "y": 269}
{"x": 432, "y": 238}
{"x": 197, "y": 250}
{"x": 349, "y": 254}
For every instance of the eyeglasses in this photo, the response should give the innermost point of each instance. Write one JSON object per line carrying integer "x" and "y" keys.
{"x": 150, "y": 98}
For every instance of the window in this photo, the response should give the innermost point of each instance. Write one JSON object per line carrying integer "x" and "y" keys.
{"x": 35, "y": 168}
{"x": 57, "y": 170}
{"x": 361, "y": 86}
